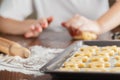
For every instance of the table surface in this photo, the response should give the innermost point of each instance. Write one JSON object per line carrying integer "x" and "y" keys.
{"x": 48, "y": 38}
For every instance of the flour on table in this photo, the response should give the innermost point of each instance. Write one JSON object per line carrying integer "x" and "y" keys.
{"x": 39, "y": 57}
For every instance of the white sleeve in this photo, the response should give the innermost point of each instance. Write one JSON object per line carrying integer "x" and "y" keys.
{"x": 16, "y": 9}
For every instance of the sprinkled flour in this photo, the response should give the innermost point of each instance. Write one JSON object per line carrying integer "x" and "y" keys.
{"x": 40, "y": 56}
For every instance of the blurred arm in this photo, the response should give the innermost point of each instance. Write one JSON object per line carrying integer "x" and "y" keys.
{"x": 111, "y": 18}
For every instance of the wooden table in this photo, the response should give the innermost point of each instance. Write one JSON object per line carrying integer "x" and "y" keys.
{"x": 48, "y": 38}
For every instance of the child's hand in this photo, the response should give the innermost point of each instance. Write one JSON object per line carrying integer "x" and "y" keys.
{"x": 36, "y": 27}
{"x": 78, "y": 24}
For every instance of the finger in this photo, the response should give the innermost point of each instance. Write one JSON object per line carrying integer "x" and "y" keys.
{"x": 64, "y": 24}
{"x": 36, "y": 33}
{"x": 44, "y": 23}
{"x": 32, "y": 33}
{"x": 33, "y": 30}
{"x": 50, "y": 19}
{"x": 78, "y": 32}
{"x": 75, "y": 31}
{"x": 72, "y": 32}
{"x": 70, "y": 29}
{"x": 38, "y": 28}
{"x": 29, "y": 34}
{"x": 32, "y": 27}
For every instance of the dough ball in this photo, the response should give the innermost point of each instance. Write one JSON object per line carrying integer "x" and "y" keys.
{"x": 86, "y": 36}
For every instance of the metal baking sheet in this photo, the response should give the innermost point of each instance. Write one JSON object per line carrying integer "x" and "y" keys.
{"x": 52, "y": 66}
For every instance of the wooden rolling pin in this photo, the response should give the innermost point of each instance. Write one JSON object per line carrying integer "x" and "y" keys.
{"x": 12, "y": 48}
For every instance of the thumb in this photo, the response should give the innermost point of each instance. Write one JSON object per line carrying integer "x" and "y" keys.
{"x": 64, "y": 24}
{"x": 50, "y": 19}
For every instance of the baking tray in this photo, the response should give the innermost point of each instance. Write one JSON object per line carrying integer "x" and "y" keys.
{"x": 52, "y": 66}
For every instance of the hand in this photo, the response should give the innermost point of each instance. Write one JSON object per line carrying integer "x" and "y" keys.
{"x": 36, "y": 27}
{"x": 78, "y": 24}
{"x": 29, "y": 28}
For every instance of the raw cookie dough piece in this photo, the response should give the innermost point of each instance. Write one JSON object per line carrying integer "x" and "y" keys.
{"x": 86, "y": 36}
